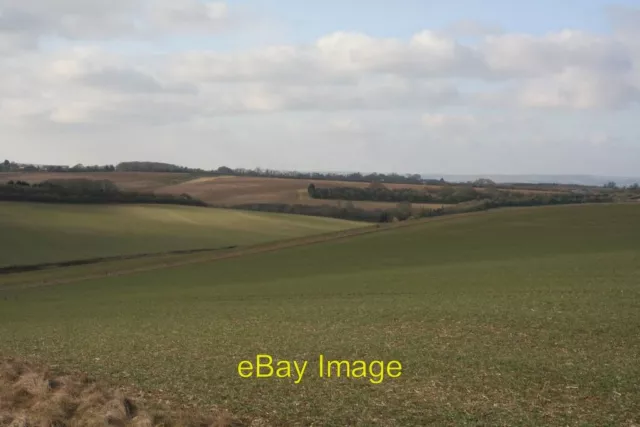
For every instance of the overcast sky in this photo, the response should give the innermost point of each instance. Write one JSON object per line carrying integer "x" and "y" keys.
{"x": 410, "y": 86}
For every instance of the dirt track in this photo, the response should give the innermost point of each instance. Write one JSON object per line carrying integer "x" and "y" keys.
{"x": 264, "y": 247}
{"x": 218, "y": 255}
{"x": 243, "y": 251}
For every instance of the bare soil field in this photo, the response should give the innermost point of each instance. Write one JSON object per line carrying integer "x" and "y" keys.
{"x": 232, "y": 190}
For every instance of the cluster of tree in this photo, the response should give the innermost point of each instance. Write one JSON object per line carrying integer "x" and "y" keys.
{"x": 347, "y": 211}
{"x": 82, "y": 168}
{"x": 154, "y": 167}
{"x": 393, "y": 178}
{"x": 7, "y": 166}
{"x": 376, "y": 192}
{"x": 451, "y": 194}
{"x": 85, "y": 191}
{"x": 270, "y": 173}
{"x": 405, "y": 211}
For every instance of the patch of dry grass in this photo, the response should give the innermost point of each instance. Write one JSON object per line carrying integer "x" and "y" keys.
{"x": 32, "y": 396}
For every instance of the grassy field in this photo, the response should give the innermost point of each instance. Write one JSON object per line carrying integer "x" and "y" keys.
{"x": 515, "y": 317}
{"x": 38, "y": 233}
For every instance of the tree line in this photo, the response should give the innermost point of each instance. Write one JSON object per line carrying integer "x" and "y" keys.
{"x": 377, "y": 192}
{"x": 144, "y": 166}
{"x": 454, "y": 194}
{"x": 86, "y": 191}
{"x": 405, "y": 211}
{"x": 390, "y": 178}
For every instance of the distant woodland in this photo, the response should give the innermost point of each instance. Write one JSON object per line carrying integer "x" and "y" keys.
{"x": 450, "y": 194}
{"x": 405, "y": 210}
{"x": 85, "y": 191}
{"x": 455, "y": 198}
{"x": 8, "y": 166}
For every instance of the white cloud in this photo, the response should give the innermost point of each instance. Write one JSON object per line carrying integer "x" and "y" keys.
{"x": 75, "y": 19}
{"x": 341, "y": 71}
{"x": 460, "y": 128}
{"x": 188, "y": 15}
{"x": 24, "y": 23}
{"x": 579, "y": 89}
{"x": 625, "y": 20}
{"x": 440, "y": 121}
{"x": 522, "y": 55}
{"x": 338, "y": 57}
{"x": 346, "y": 125}
{"x": 471, "y": 28}
{"x": 430, "y": 88}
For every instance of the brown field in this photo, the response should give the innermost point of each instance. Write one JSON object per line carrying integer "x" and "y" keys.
{"x": 223, "y": 190}
{"x": 230, "y": 190}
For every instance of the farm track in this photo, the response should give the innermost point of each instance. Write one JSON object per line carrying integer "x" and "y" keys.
{"x": 233, "y": 253}
{"x": 222, "y": 254}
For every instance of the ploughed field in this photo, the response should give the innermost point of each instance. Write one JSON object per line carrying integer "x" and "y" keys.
{"x": 508, "y": 317}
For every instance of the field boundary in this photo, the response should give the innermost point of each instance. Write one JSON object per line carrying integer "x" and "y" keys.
{"x": 274, "y": 246}
{"x": 230, "y": 252}
{"x": 85, "y": 261}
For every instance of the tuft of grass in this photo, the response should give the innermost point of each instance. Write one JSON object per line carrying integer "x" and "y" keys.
{"x": 515, "y": 317}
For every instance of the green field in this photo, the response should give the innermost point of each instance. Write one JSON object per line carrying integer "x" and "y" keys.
{"x": 34, "y": 233}
{"x": 515, "y": 317}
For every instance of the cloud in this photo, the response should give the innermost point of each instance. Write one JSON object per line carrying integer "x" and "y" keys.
{"x": 62, "y": 74}
{"x": 444, "y": 121}
{"x": 339, "y": 57}
{"x": 577, "y": 88}
{"x": 625, "y": 20}
{"x": 346, "y": 125}
{"x": 189, "y": 15}
{"x": 24, "y": 24}
{"x": 73, "y": 19}
{"x": 471, "y": 28}
{"x": 522, "y": 55}
{"x": 461, "y": 128}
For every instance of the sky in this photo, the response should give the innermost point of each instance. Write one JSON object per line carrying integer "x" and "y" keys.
{"x": 409, "y": 86}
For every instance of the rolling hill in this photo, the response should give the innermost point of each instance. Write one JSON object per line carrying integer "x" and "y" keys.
{"x": 524, "y": 316}
{"x": 35, "y": 233}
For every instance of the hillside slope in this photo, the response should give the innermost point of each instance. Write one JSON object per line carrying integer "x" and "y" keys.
{"x": 40, "y": 233}
{"x": 511, "y": 317}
